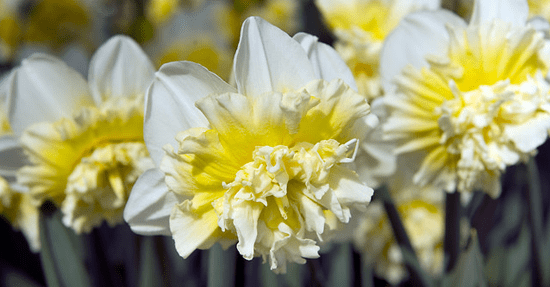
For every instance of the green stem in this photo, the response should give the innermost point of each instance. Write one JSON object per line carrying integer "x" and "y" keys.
{"x": 452, "y": 230}
{"x": 535, "y": 220}
{"x": 316, "y": 271}
{"x": 418, "y": 276}
{"x": 221, "y": 266}
{"x": 341, "y": 266}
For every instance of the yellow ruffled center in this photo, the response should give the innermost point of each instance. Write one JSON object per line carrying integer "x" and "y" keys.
{"x": 100, "y": 184}
{"x": 271, "y": 177}
{"x": 87, "y": 164}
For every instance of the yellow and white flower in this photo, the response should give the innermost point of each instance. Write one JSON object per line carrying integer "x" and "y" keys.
{"x": 83, "y": 140}
{"x": 471, "y": 98}
{"x": 360, "y": 27}
{"x": 264, "y": 164}
{"x": 194, "y": 35}
{"x": 284, "y": 14}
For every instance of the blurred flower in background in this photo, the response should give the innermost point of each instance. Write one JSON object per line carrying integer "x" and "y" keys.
{"x": 253, "y": 151}
{"x": 193, "y": 34}
{"x": 84, "y": 140}
{"x": 48, "y": 26}
{"x": 422, "y": 211}
{"x": 360, "y": 27}
{"x": 473, "y": 99}
{"x": 539, "y": 8}
{"x": 284, "y": 14}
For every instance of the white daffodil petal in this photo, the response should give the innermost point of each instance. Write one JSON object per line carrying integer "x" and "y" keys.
{"x": 327, "y": 63}
{"x": 44, "y": 88}
{"x": 418, "y": 35}
{"x": 529, "y": 135}
{"x": 169, "y": 103}
{"x": 348, "y": 188}
{"x": 245, "y": 222}
{"x": 150, "y": 204}
{"x": 268, "y": 60}
{"x": 119, "y": 68}
{"x": 513, "y": 11}
{"x": 191, "y": 231}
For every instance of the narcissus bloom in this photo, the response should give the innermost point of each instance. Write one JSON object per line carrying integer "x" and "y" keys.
{"x": 263, "y": 164}
{"x": 284, "y": 14}
{"x": 83, "y": 140}
{"x": 194, "y": 35}
{"x": 360, "y": 27}
{"x": 471, "y": 98}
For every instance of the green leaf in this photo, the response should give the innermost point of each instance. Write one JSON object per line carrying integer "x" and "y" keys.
{"x": 468, "y": 271}
{"x": 61, "y": 254}
{"x": 508, "y": 265}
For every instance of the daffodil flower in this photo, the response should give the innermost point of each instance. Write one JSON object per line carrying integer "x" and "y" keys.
{"x": 193, "y": 35}
{"x": 284, "y": 14}
{"x": 471, "y": 99}
{"x": 83, "y": 139}
{"x": 360, "y": 27}
{"x": 264, "y": 164}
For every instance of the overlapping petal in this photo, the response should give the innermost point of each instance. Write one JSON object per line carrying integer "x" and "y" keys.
{"x": 119, "y": 68}
{"x": 169, "y": 103}
{"x": 268, "y": 60}
{"x": 44, "y": 89}
{"x": 327, "y": 64}
{"x": 150, "y": 204}
{"x": 420, "y": 34}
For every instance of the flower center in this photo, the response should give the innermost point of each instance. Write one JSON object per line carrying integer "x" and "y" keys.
{"x": 276, "y": 175}
{"x": 87, "y": 164}
{"x": 99, "y": 185}
{"x": 475, "y": 125}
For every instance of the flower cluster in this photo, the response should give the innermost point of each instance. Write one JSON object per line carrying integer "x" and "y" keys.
{"x": 278, "y": 151}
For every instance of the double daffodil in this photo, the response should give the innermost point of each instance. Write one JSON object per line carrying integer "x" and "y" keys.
{"x": 470, "y": 99}
{"x": 264, "y": 164}
{"x": 82, "y": 140}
